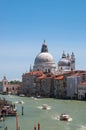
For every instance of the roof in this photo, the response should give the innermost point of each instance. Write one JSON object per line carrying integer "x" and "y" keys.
{"x": 37, "y": 72}
{"x": 60, "y": 77}
{"x": 83, "y": 83}
{"x": 45, "y": 76}
{"x": 42, "y": 77}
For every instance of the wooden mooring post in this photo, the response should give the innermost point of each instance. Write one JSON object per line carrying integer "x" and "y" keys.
{"x": 22, "y": 111}
{"x": 38, "y": 126}
{"x": 17, "y": 126}
{"x": 35, "y": 127}
{"x": 5, "y": 128}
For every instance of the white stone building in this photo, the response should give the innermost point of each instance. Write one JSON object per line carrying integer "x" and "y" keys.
{"x": 44, "y": 61}
{"x": 82, "y": 90}
{"x": 72, "y": 86}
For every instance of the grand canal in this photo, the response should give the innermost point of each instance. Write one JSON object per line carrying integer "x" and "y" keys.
{"x": 47, "y": 118}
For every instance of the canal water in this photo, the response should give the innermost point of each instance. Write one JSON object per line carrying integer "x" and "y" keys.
{"x": 48, "y": 119}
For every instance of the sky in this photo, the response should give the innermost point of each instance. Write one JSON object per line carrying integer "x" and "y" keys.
{"x": 25, "y": 24}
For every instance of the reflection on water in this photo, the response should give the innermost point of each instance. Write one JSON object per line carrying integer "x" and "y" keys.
{"x": 49, "y": 119}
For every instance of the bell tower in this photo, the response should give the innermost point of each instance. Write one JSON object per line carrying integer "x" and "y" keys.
{"x": 4, "y": 83}
{"x": 72, "y": 61}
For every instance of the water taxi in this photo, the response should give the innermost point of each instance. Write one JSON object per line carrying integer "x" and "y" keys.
{"x": 21, "y": 95}
{"x": 44, "y": 106}
{"x": 64, "y": 117}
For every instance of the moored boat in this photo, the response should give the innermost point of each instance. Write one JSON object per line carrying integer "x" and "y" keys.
{"x": 11, "y": 114}
{"x": 1, "y": 119}
{"x": 21, "y": 95}
{"x": 8, "y": 111}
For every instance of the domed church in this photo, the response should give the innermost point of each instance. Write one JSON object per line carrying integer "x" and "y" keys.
{"x": 44, "y": 61}
{"x": 66, "y": 63}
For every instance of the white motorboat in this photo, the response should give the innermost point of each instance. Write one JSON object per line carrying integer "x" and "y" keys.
{"x": 44, "y": 106}
{"x": 22, "y": 95}
{"x": 64, "y": 117}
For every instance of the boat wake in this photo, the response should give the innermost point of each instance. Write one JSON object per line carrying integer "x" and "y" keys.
{"x": 40, "y": 107}
{"x": 10, "y": 96}
{"x": 70, "y": 119}
{"x": 19, "y": 102}
{"x": 82, "y": 127}
{"x": 55, "y": 118}
{"x": 58, "y": 118}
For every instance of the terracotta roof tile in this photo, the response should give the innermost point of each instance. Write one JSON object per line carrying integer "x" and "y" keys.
{"x": 42, "y": 77}
{"x": 35, "y": 73}
{"x": 84, "y": 83}
{"x": 59, "y": 77}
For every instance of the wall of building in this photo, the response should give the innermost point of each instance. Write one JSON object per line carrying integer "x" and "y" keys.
{"x": 82, "y": 91}
{"x": 72, "y": 86}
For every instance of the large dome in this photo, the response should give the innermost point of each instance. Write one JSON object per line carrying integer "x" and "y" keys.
{"x": 44, "y": 61}
{"x": 44, "y": 57}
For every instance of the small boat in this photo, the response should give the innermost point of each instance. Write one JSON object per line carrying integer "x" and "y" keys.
{"x": 45, "y": 106}
{"x": 1, "y": 118}
{"x": 64, "y": 117}
{"x": 22, "y": 95}
{"x": 11, "y": 114}
{"x": 21, "y": 102}
{"x": 8, "y": 112}
{"x": 38, "y": 96}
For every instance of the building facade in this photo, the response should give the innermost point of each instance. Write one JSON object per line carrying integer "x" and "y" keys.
{"x": 82, "y": 91}
{"x": 46, "y": 81}
{"x": 9, "y": 88}
{"x": 72, "y": 86}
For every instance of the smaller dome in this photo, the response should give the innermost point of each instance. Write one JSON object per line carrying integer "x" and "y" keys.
{"x": 64, "y": 62}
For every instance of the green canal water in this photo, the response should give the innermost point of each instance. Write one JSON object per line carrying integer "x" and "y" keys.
{"x": 48, "y": 119}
